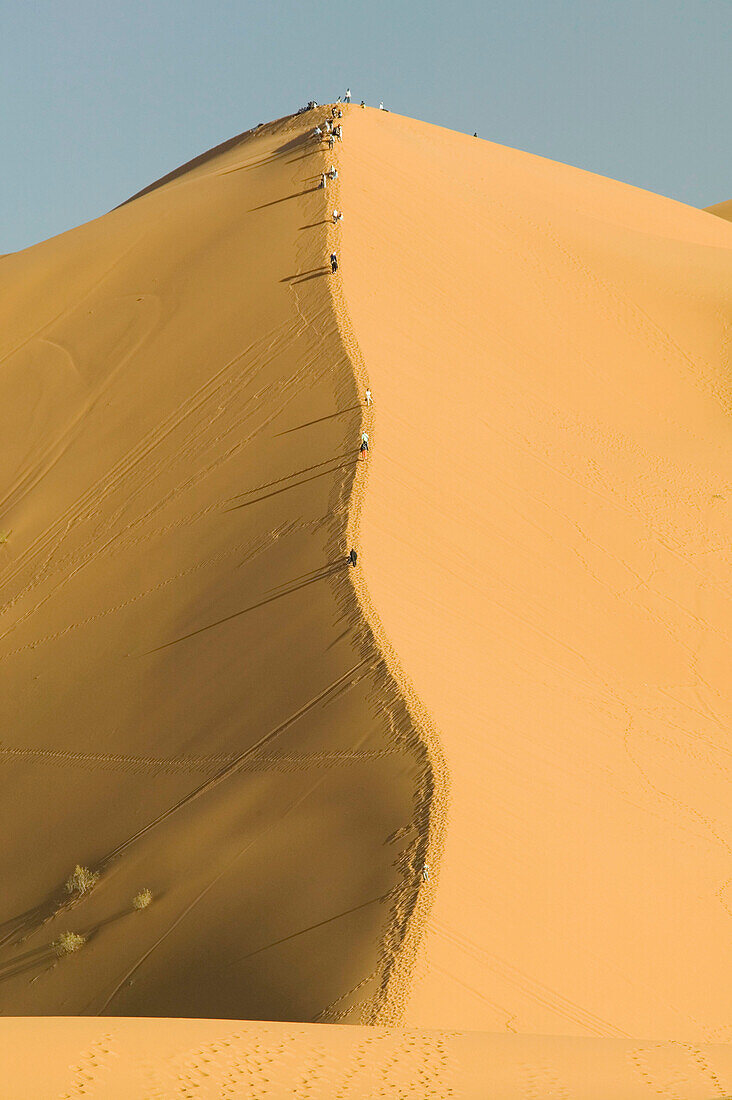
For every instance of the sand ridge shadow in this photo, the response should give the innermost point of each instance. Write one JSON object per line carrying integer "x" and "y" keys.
{"x": 295, "y": 485}
{"x": 327, "y": 571}
{"x": 303, "y": 276}
{"x": 288, "y": 477}
{"x": 285, "y": 198}
{"x": 319, "y": 420}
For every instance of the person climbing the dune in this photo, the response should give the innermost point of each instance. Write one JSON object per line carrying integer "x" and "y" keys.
{"x": 352, "y": 557}
{"x": 332, "y": 173}
{"x": 337, "y": 216}
{"x": 317, "y": 133}
{"x": 347, "y": 96}
{"x": 331, "y": 141}
{"x": 333, "y": 263}
{"x": 323, "y": 180}
{"x": 364, "y": 448}
{"x": 425, "y": 872}
{"x": 368, "y": 398}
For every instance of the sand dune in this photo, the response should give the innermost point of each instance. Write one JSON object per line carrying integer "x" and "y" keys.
{"x": 524, "y": 684}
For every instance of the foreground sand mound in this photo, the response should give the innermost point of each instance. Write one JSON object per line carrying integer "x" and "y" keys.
{"x": 214, "y": 1059}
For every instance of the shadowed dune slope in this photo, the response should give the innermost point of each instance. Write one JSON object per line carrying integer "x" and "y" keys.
{"x": 546, "y": 543}
{"x": 191, "y": 700}
{"x": 722, "y": 210}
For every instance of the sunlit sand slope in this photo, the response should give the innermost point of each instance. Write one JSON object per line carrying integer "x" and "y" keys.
{"x": 127, "y": 1059}
{"x": 191, "y": 701}
{"x": 545, "y": 539}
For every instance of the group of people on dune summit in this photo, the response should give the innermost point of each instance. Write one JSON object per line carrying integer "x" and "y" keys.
{"x": 332, "y": 132}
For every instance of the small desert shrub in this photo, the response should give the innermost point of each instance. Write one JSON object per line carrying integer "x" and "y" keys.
{"x": 67, "y": 943}
{"x": 81, "y": 881}
{"x": 142, "y": 900}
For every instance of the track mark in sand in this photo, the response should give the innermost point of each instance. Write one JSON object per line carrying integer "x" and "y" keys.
{"x": 91, "y": 1065}
{"x": 670, "y": 1069}
{"x": 115, "y": 761}
{"x": 253, "y": 548}
{"x": 284, "y": 764}
{"x": 295, "y": 485}
{"x": 354, "y": 674}
{"x": 540, "y": 1080}
{"x": 535, "y": 991}
{"x": 199, "y": 897}
{"x": 87, "y": 505}
{"x": 312, "y": 927}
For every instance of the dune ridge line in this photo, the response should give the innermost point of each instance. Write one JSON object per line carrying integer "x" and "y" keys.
{"x": 401, "y": 949}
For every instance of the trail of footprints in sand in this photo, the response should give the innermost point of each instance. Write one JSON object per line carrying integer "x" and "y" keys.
{"x": 409, "y": 1065}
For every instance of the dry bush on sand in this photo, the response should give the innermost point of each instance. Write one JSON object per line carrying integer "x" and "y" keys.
{"x": 81, "y": 881}
{"x": 67, "y": 943}
{"x": 142, "y": 900}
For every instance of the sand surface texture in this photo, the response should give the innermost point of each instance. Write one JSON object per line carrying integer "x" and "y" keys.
{"x": 523, "y": 685}
{"x": 133, "y": 1059}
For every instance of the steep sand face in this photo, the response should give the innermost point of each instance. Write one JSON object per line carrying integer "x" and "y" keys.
{"x": 545, "y": 539}
{"x": 191, "y": 700}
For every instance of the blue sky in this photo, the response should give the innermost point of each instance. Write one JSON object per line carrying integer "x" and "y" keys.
{"x": 100, "y": 98}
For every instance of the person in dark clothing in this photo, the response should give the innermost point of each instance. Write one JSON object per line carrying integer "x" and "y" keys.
{"x": 352, "y": 557}
{"x": 333, "y": 263}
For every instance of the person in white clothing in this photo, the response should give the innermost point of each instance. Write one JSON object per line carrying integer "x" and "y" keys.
{"x": 348, "y": 95}
{"x": 368, "y": 397}
{"x": 337, "y": 216}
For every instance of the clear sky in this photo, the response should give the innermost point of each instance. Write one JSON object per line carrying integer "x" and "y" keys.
{"x": 98, "y": 98}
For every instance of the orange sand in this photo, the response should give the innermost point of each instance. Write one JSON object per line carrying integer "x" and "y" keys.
{"x": 524, "y": 684}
